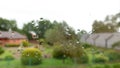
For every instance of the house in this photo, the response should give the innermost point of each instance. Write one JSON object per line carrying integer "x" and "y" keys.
{"x": 11, "y": 37}
{"x": 91, "y": 39}
{"x": 101, "y": 39}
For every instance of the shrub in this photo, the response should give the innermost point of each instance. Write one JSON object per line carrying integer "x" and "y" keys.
{"x": 100, "y": 59}
{"x": 8, "y": 57}
{"x": 116, "y": 66}
{"x": 25, "y": 43}
{"x": 12, "y": 45}
{"x": 86, "y": 45}
{"x": 75, "y": 52}
{"x": 113, "y": 56}
{"x": 41, "y": 41}
{"x": 31, "y": 56}
{"x": 58, "y": 52}
{"x": 83, "y": 59}
{"x": 1, "y": 50}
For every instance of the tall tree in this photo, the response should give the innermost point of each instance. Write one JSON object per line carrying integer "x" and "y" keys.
{"x": 110, "y": 24}
{"x": 101, "y": 27}
{"x": 39, "y": 27}
{"x": 60, "y": 33}
{"x": 42, "y": 26}
{"x": 6, "y": 24}
{"x": 27, "y": 28}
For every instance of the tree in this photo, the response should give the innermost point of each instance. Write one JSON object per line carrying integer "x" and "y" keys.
{"x": 101, "y": 27}
{"x": 42, "y": 26}
{"x": 110, "y": 24}
{"x": 29, "y": 27}
{"x": 39, "y": 27}
{"x": 6, "y": 24}
{"x": 60, "y": 33}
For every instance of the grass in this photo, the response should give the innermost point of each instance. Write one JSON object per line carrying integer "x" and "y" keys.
{"x": 6, "y": 53}
{"x": 46, "y": 63}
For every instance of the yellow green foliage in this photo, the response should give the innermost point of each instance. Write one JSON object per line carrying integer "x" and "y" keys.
{"x": 31, "y": 56}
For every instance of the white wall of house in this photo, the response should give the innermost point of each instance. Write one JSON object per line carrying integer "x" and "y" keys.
{"x": 100, "y": 41}
{"x": 91, "y": 39}
{"x": 115, "y": 38}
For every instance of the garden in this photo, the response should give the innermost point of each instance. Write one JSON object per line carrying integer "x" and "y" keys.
{"x": 81, "y": 55}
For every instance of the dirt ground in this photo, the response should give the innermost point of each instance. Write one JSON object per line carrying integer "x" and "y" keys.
{"x": 14, "y": 51}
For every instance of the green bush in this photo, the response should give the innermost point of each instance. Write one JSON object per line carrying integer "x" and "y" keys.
{"x": 41, "y": 41}
{"x": 25, "y": 43}
{"x": 58, "y": 52}
{"x": 100, "y": 59}
{"x": 1, "y": 50}
{"x": 76, "y": 53}
{"x": 83, "y": 59}
{"x": 113, "y": 56}
{"x": 31, "y": 56}
{"x": 116, "y": 66}
{"x": 12, "y": 45}
{"x": 8, "y": 57}
{"x": 86, "y": 45}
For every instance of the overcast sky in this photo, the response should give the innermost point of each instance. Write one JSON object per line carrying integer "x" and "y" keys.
{"x": 79, "y": 14}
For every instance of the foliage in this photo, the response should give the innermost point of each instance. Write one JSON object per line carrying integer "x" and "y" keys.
{"x": 101, "y": 27}
{"x": 12, "y": 45}
{"x": 9, "y": 57}
{"x": 74, "y": 52}
{"x": 30, "y": 26}
{"x": 31, "y": 56}
{"x": 41, "y": 41}
{"x": 42, "y": 26}
{"x": 110, "y": 24}
{"x": 6, "y": 24}
{"x": 60, "y": 33}
{"x": 116, "y": 44}
{"x": 54, "y": 36}
{"x": 86, "y": 45}
{"x": 100, "y": 59}
{"x": 1, "y": 50}
{"x": 25, "y": 43}
{"x": 59, "y": 53}
{"x": 113, "y": 56}
{"x": 83, "y": 59}
{"x": 39, "y": 27}
{"x": 116, "y": 65}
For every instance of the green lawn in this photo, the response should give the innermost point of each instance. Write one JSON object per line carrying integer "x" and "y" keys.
{"x": 6, "y": 53}
{"x": 46, "y": 63}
